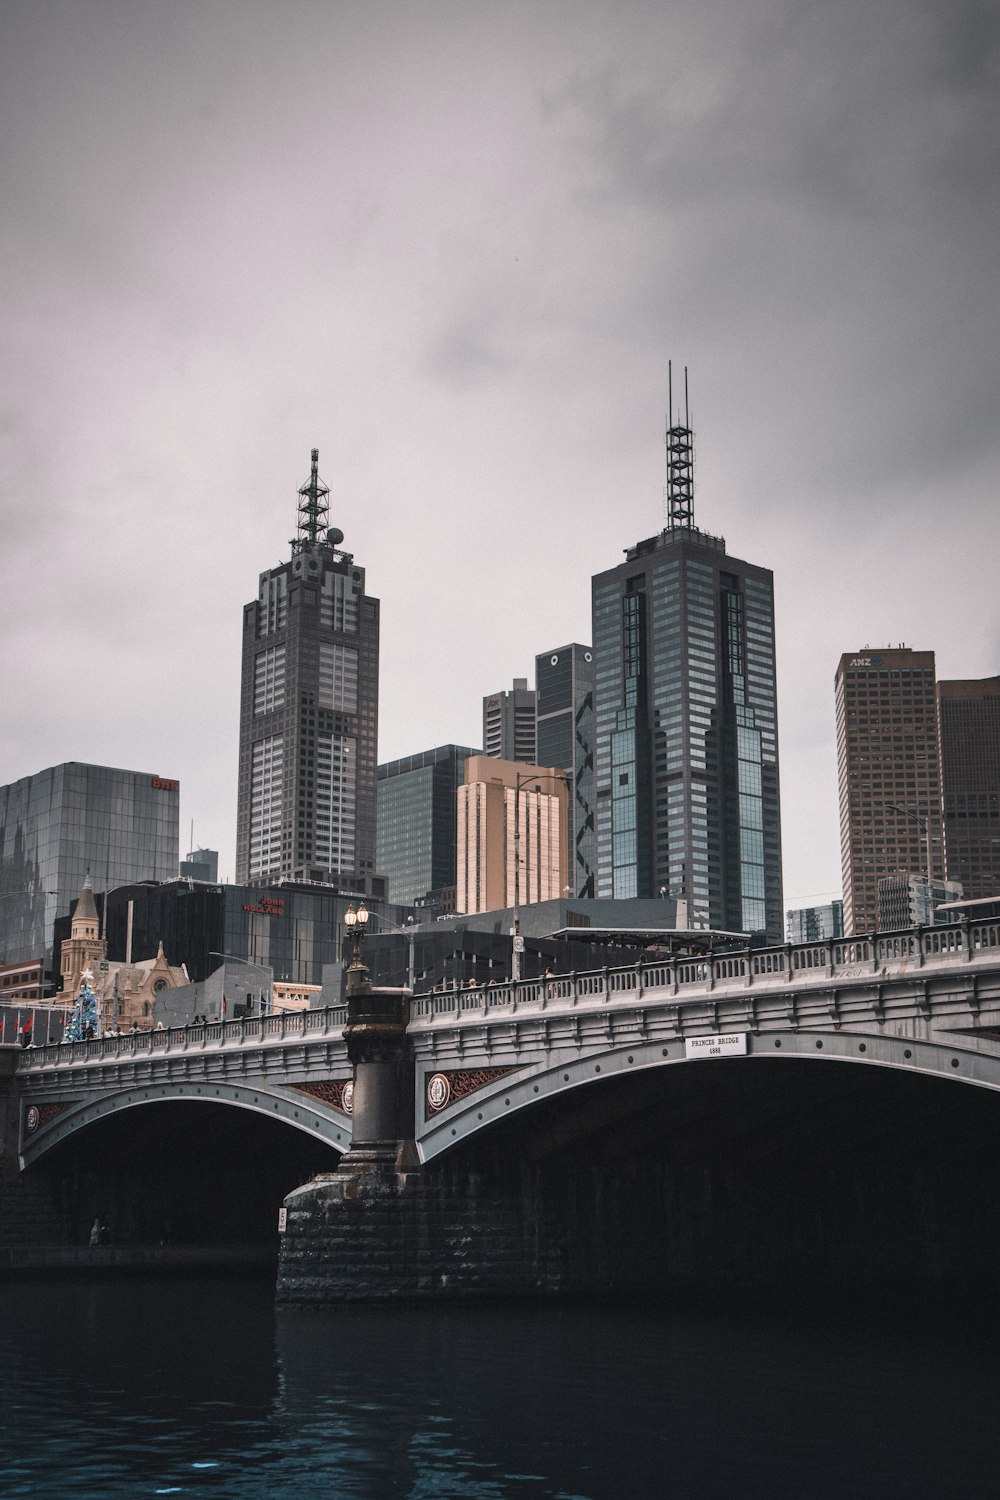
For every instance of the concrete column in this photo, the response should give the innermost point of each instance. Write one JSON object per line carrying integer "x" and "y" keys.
{"x": 379, "y": 1049}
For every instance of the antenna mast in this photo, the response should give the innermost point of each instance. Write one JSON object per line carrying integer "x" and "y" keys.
{"x": 314, "y": 512}
{"x": 678, "y": 495}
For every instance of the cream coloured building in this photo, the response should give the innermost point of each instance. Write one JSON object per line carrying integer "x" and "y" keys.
{"x": 126, "y": 992}
{"x": 504, "y": 805}
{"x": 288, "y": 996}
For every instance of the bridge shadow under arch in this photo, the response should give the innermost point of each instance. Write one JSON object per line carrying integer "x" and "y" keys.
{"x": 738, "y": 1172}
{"x": 180, "y": 1171}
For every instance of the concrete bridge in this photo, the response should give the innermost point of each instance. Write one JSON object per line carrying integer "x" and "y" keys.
{"x": 291, "y": 1067}
{"x": 417, "y": 1095}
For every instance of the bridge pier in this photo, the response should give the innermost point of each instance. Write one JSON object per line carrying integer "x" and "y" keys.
{"x": 28, "y": 1213}
{"x": 345, "y": 1230}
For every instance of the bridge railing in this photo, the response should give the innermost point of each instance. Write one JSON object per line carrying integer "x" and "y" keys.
{"x": 789, "y": 965}
{"x": 206, "y": 1036}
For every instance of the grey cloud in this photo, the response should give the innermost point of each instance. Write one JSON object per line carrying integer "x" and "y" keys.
{"x": 460, "y": 355}
{"x": 235, "y": 231}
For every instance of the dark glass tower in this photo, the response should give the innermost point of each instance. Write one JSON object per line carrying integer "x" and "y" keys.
{"x": 60, "y": 825}
{"x": 309, "y": 713}
{"x": 564, "y": 684}
{"x": 686, "y": 736}
{"x": 969, "y": 729}
{"x": 417, "y": 798}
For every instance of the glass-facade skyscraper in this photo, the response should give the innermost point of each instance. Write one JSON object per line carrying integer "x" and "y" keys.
{"x": 309, "y": 713}
{"x": 686, "y": 763}
{"x": 416, "y": 821}
{"x": 564, "y": 690}
{"x": 969, "y": 735}
{"x": 687, "y": 744}
{"x": 60, "y": 825}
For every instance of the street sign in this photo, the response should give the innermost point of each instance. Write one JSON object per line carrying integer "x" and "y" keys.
{"x": 722, "y": 1044}
{"x": 282, "y": 1219}
{"x": 519, "y": 945}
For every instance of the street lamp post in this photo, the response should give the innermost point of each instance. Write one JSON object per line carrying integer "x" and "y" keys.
{"x": 925, "y": 825}
{"x": 523, "y": 778}
{"x": 355, "y": 922}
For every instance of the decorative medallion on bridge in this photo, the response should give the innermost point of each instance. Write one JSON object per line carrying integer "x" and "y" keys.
{"x": 447, "y": 1088}
{"x": 336, "y": 1091}
{"x": 38, "y": 1115}
{"x": 438, "y": 1092}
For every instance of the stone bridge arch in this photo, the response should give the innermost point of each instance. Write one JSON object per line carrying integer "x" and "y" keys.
{"x": 47, "y": 1125}
{"x": 508, "y": 1090}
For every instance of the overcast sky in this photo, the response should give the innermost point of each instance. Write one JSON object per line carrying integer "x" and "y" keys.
{"x": 453, "y": 246}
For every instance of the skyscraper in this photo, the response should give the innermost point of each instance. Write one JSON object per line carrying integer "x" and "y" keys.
{"x": 888, "y": 772}
{"x": 510, "y": 816}
{"x": 309, "y": 713}
{"x": 564, "y": 690}
{"x": 509, "y": 723}
{"x": 969, "y": 729}
{"x": 416, "y": 821}
{"x": 60, "y": 824}
{"x": 686, "y": 707}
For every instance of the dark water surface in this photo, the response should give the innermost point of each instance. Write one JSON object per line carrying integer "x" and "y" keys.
{"x": 198, "y": 1388}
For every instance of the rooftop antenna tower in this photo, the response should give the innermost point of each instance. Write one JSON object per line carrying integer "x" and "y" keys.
{"x": 678, "y": 494}
{"x": 314, "y": 512}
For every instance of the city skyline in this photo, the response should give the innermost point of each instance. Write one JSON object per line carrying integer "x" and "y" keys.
{"x": 516, "y": 219}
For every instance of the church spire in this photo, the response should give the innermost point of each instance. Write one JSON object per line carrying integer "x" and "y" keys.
{"x": 86, "y": 907}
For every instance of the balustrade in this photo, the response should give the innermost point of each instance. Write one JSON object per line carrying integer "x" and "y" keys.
{"x": 206, "y": 1035}
{"x": 846, "y": 958}
{"x": 784, "y": 968}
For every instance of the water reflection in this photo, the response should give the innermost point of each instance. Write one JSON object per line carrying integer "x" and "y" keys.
{"x": 199, "y": 1389}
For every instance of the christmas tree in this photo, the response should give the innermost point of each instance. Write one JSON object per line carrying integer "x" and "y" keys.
{"x": 82, "y": 1023}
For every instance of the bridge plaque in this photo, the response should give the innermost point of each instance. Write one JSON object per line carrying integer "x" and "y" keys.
{"x": 723, "y": 1044}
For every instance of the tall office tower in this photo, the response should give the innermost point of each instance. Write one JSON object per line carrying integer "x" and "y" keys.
{"x": 509, "y": 723}
{"x": 686, "y": 705}
{"x": 60, "y": 824}
{"x": 309, "y": 713}
{"x": 814, "y": 924}
{"x": 564, "y": 686}
{"x": 417, "y": 798}
{"x": 969, "y": 728}
{"x": 888, "y": 771}
{"x": 510, "y": 811}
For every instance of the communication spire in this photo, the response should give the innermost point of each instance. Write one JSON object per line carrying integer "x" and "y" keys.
{"x": 678, "y": 494}
{"x": 314, "y": 512}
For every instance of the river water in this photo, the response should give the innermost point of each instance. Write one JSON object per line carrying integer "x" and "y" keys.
{"x": 198, "y": 1388}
